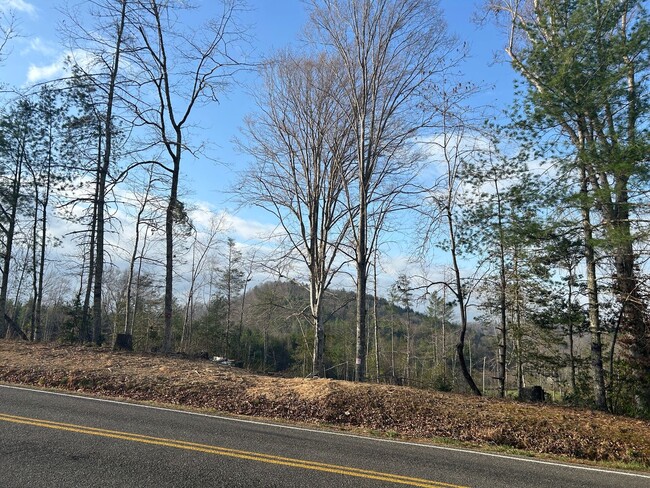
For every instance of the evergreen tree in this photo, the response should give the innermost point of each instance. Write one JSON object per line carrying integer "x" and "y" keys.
{"x": 586, "y": 63}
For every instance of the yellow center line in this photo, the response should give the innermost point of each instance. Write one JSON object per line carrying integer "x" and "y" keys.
{"x": 234, "y": 453}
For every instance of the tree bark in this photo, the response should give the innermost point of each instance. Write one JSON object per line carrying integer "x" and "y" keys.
{"x": 362, "y": 277}
{"x": 600, "y": 397}
{"x": 169, "y": 256}
{"x": 375, "y": 316}
{"x": 9, "y": 238}
{"x": 101, "y": 179}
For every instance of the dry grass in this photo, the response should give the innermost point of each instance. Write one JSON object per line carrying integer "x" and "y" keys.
{"x": 406, "y": 412}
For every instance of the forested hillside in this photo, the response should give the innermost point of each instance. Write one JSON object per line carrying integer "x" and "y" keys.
{"x": 385, "y": 225}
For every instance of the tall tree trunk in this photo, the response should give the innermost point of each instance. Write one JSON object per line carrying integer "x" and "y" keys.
{"x": 572, "y": 359}
{"x": 600, "y": 397}
{"x": 136, "y": 298}
{"x": 186, "y": 333}
{"x": 408, "y": 346}
{"x": 518, "y": 323}
{"x": 226, "y": 339}
{"x": 634, "y": 323}
{"x": 128, "y": 324}
{"x": 241, "y": 309}
{"x": 376, "y": 317}
{"x": 360, "y": 362}
{"x": 503, "y": 336}
{"x": 634, "y": 308}
{"x": 444, "y": 333}
{"x": 41, "y": 270}
{"x": 86, "y": 329}
{"x": 173, "y": 208}
{"x": 34, "y": 264}
{"x": 188, "y": 322}
{"x": 460, "y": 296}
{"x": 362, "y": 257}
{"x": 315, "y": 306}
{"x": 318, "y": 365}
{"x": 21, "y": 279}
{"x": 101, "y": 178}
{"x": 6, "y": 328}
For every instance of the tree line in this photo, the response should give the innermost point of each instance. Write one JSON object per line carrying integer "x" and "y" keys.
{"x": 529, "y": 229}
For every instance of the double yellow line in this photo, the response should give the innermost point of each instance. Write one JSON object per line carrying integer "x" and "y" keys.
{"x": 234, "y": 453}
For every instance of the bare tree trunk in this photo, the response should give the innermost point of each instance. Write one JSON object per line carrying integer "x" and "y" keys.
{"x": 188, "y": 323}
{"x": 600, "y": 397}
{"x": 362, "y": 279}
{"x": 444, "y": 332}
{"x": 572, "y": 359}
{"x": 6, "y": 328}
{"x": 316, "y": 290}
{"x": 392, "y": 348}
{"x": 128, "y": 324}
{"x": 318, "y": 366}
{"x": 247, "y": 280}
{"x": 136, "y": 299}
{"x": 20, "y": 281}
{"x": 86, "y": 330}
{"x": 376, "y": 318}
{"x": 503, "y": 336}
{"x": 460, "y": 296}
{"x": 34, "y": 264}
{"x": 519, "y": 332}
{"x": 186, "y": 335}
{"x": 41, "y": 269}
{"x": 390, "y": 50}
{"x": 302, "y": 183}
{"x": 361, "y": 254}
{"x": 101, "y": 177}
{"x": 169, "y": 253}
{"x": 409, "y": 352}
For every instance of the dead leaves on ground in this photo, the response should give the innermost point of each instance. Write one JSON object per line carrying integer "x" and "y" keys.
{"x": 407, "y": 412}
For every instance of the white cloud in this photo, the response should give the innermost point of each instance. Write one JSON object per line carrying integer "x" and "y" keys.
{"x": 44, "y": 73}
{"x": 241, "y": 228}
{"x": 204, "y": 216}
{"x": 58, "y": 68}
{"x": 17, "y": 6}
{"x": 250, "y": 229}
{"x": 37, "y": 45}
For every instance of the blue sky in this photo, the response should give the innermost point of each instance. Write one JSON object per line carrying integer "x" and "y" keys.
{"x": 37, "y": 54}
{"x": 274, "y": 24}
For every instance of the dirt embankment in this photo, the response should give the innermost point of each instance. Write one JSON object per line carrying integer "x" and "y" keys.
{"x": 389, "y": 410}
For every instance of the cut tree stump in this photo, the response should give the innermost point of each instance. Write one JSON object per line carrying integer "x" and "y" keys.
{"x": 533, "y": 394}
{"x": 123, "y": 342}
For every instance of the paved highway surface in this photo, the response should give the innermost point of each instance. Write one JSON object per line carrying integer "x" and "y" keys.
{"x": 57, "y": 440}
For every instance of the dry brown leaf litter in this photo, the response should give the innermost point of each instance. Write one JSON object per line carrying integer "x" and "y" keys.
{"x": 405, "y": 412}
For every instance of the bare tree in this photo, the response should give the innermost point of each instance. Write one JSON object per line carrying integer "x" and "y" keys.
{"x": 202, "y": 246}
{"x": 180, "y": 66}
{"x": 301, "y": 145}
{"x": 42, "y": 168}
{"x": 103, "y": 173}
{"x": 8, "y": 31}
{"x": 391, "y": 51}
{"x": 102, "y": 74}
{"x": 454, "y": 145}
{"x": 146, "y": 217}
{"x": 14, "y": 154}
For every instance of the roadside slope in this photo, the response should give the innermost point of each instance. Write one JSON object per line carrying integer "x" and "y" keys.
{"x": 398, "y": 411}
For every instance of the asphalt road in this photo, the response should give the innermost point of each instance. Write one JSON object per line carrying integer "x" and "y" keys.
{"x": 56, "y": 440}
